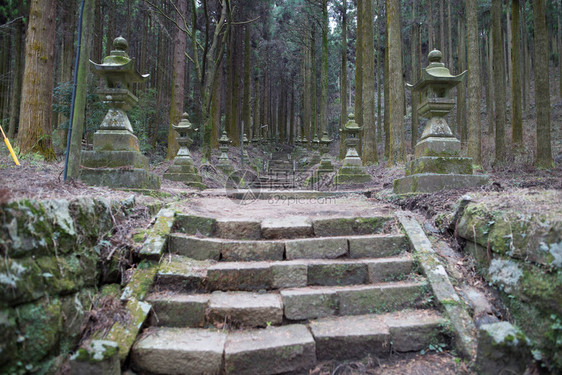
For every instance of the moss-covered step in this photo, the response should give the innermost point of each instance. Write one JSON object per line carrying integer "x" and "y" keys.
{"x": 317, "y": 302}
{"x": 377, "y": 246}
{"x": 155, "y": 243}
{"x": 350, "y": 226}
{"x": 433, "y": 182}
{"x": 355, "y": 337}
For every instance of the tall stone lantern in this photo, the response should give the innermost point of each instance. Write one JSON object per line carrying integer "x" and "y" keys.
{"x": 115, "y": 144}
{"x": 315, "y": 144}
{"x": 224, "y": 161}
{"x": 438, "y": 164}
{"x": 183, "y": 168}
{"x": 352, "y": 171}
{"x": 325, "y": 163}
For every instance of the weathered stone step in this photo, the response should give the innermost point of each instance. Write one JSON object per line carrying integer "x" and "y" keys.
{"x": 318, "y": 302}
{"x": 292, "y": 348}
{"x": 274, "y": 350}
{"x": 355, "y": 337}
{"x": 184, "y": 274}
{"x": 369, "y": 246}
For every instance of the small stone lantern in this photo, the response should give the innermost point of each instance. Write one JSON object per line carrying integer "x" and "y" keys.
{"x": 115, "y": 144}
{"x": 325, "y": 164}
{"x": 315, "y": 145}
{"x": 438, "y": 164}
{"x": 224, "y": 162}
{"x": 352, "y": 171}
{"x": 245, "y": 156}
{"x": 183, "y": 169}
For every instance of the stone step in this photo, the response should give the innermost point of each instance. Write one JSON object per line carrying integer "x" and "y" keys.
{"x": 184, "y": 274}
{"x": 275, "y": 248}
{"x": 293, "y": 348}
{"x": 355, "y": 337}
{"x": 317, "y": 302}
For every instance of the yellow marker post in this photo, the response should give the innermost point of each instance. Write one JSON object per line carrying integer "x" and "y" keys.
{"x": 7, "y": 141}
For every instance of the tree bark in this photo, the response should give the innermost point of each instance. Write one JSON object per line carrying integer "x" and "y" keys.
{"x": 343, "y": 89}
{"x": 37, "y": 88}
{"x": 78, "y": 118}
{"x": 324, "y": 72}
{"x": 397, "y": 152}
{"x": 415, "y": 73}
{"x": 560, "y": 47}
{"x": 314, "y": 103}
{"x": 358, "y": 109}
{"x": 246, "y": 110}
{"x": 499, "y": 80}
{"x": 178, "y": 79}
{"x": 369, "y": 151}
{"x": 509, "y": 45}
{"x": 450, "y": 34}
{"x": 461, "y": 93}
{"x": 17, "y": 80}
{"x": 474, "y": 89}
{"x": 430, "y": 32}
{"x": 526, "y": 62}
{"x": 516, "y": 119}
{"x": 490, "y": 93}
{"x": 542, "y": 86}
{"x": 216, "y": 110}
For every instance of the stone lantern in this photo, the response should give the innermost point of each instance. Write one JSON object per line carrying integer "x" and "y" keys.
{"x": 245, "y": 156}
{"x": 115, "y": 144}
{"x": 438, "y": 164}
{"x": 352, "y": 171}
{"x": 224, "y": 162}
{"x": 325, "y": 163}
{"x": 183, "y": 169}
{"x": 315, "y": 144}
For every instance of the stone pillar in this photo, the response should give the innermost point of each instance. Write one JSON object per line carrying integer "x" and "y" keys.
{"x": 224, "y": 161}
{"x": 325, "y": 163}
{"x": 352, "y": 171}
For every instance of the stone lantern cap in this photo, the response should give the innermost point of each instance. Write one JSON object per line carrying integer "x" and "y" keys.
{"x": 351, "y": 127}
{"x": 118, "y": 69}
{"x": 437, "y": 76}
{"x": 245, "y": 139}
{"x": 325, "y": 138}
{"x": 184, "y": 126}
{"x": 224, "y": 140}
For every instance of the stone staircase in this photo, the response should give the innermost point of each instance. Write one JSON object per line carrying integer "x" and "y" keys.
{"x": 280, "y": 174}
{"x": 280, "y": 295}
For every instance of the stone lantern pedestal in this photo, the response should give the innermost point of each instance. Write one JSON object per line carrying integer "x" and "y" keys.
{"x": 438, "y": 164}
{"x": 352, "y": 171}
{"x": 116, "y": 160}
{"x": 183, "y": 168}
{"x": 325, "y": 163}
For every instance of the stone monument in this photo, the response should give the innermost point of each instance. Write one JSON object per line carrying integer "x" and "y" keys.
{"x": 224, "y": 162}
{"x": 352, "y": 171}
{"x": 183, "y": 168}
{"x": 245, "y": 156}
{"x": 116, "y": 160}
{"x": 325, "y": 163}
{"x": 438, "y": 164}
{"x": 315, "y": 159}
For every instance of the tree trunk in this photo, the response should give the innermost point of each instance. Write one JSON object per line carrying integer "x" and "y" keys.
{"x": 516, "y": 119}
{"x": 246, "y": 110}
{"x": 37, "y": 88}
{"x": 442, "y": 28}
{"x": 257, "y": 108}
{"x": 560, "y": 46}
{"x": 386, "y": 98}
{"x": 229, "y": 112}
{"x": 542, "y": 86}
{"x": 499, "y": 80}
{"x": 324, "y": 73}
{"x": 17, "y": 80}
{"x": 450, "y": 34}
{"x": 216, "y": 110}
{"x": 473, "y": 79}
{"x": 397, "y": 152}
{"x": 430, "y": 32}
{"x": 369, "y": 151}
{"x": 343, "y": 89}
{"x": 78, "y": 118}
{"x": 358, "y": 64}
{"x": 490, "y": 94}
{"x": 307, "y": 112}
{"x": 461, "y": 93}
{"x": 415, "y": 73}
{"x": 314, "y": 106}
{"x": 178, "y": 85}
{"x": 509, "y": 45}
{"x": 526, "y": 62}
{"x": 292, "y": 117}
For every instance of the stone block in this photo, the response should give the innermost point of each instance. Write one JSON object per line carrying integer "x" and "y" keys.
{"x": 99, "y": 357}
{"x": 245, "y": 309}
{"x": 439, "y": 165}
{"x": 502, "y": 348}
{"x": 289, "y": 274}
{"x": 155, "y": 243}
{"x": 350, "y": 337}
{"x": 438, "y": 146}
{"x": 274, "y": 350}
{"x": 309, "y": 303}
{"x": 182, "y": 274}
{"x": 195, "y": 225}
{"x": 113, "y": 159}
{"x": 287, "y": 227}
{"x": 239, "y": 276}
{"x": 388, "y": 269}
{"x": 431, "y": 182}
{"x": 133, "y": 178}
{"x": 377, "y": 246}
{"x": 179, "y": 351}
{"x": 337, "y": 273}
{"x": 194, "y": 247}
{"x": 348, "y": 226}
{"x": 178, "y": 310}
{"x": 415, "y": 330}
{"x": 252, "y": 250}
{"x": 115, "y": 140}
{"x": 239, "y": 229}
{"x": 321, "y": 248}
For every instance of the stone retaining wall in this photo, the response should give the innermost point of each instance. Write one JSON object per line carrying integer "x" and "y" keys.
{"x": 48, "y": 274}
